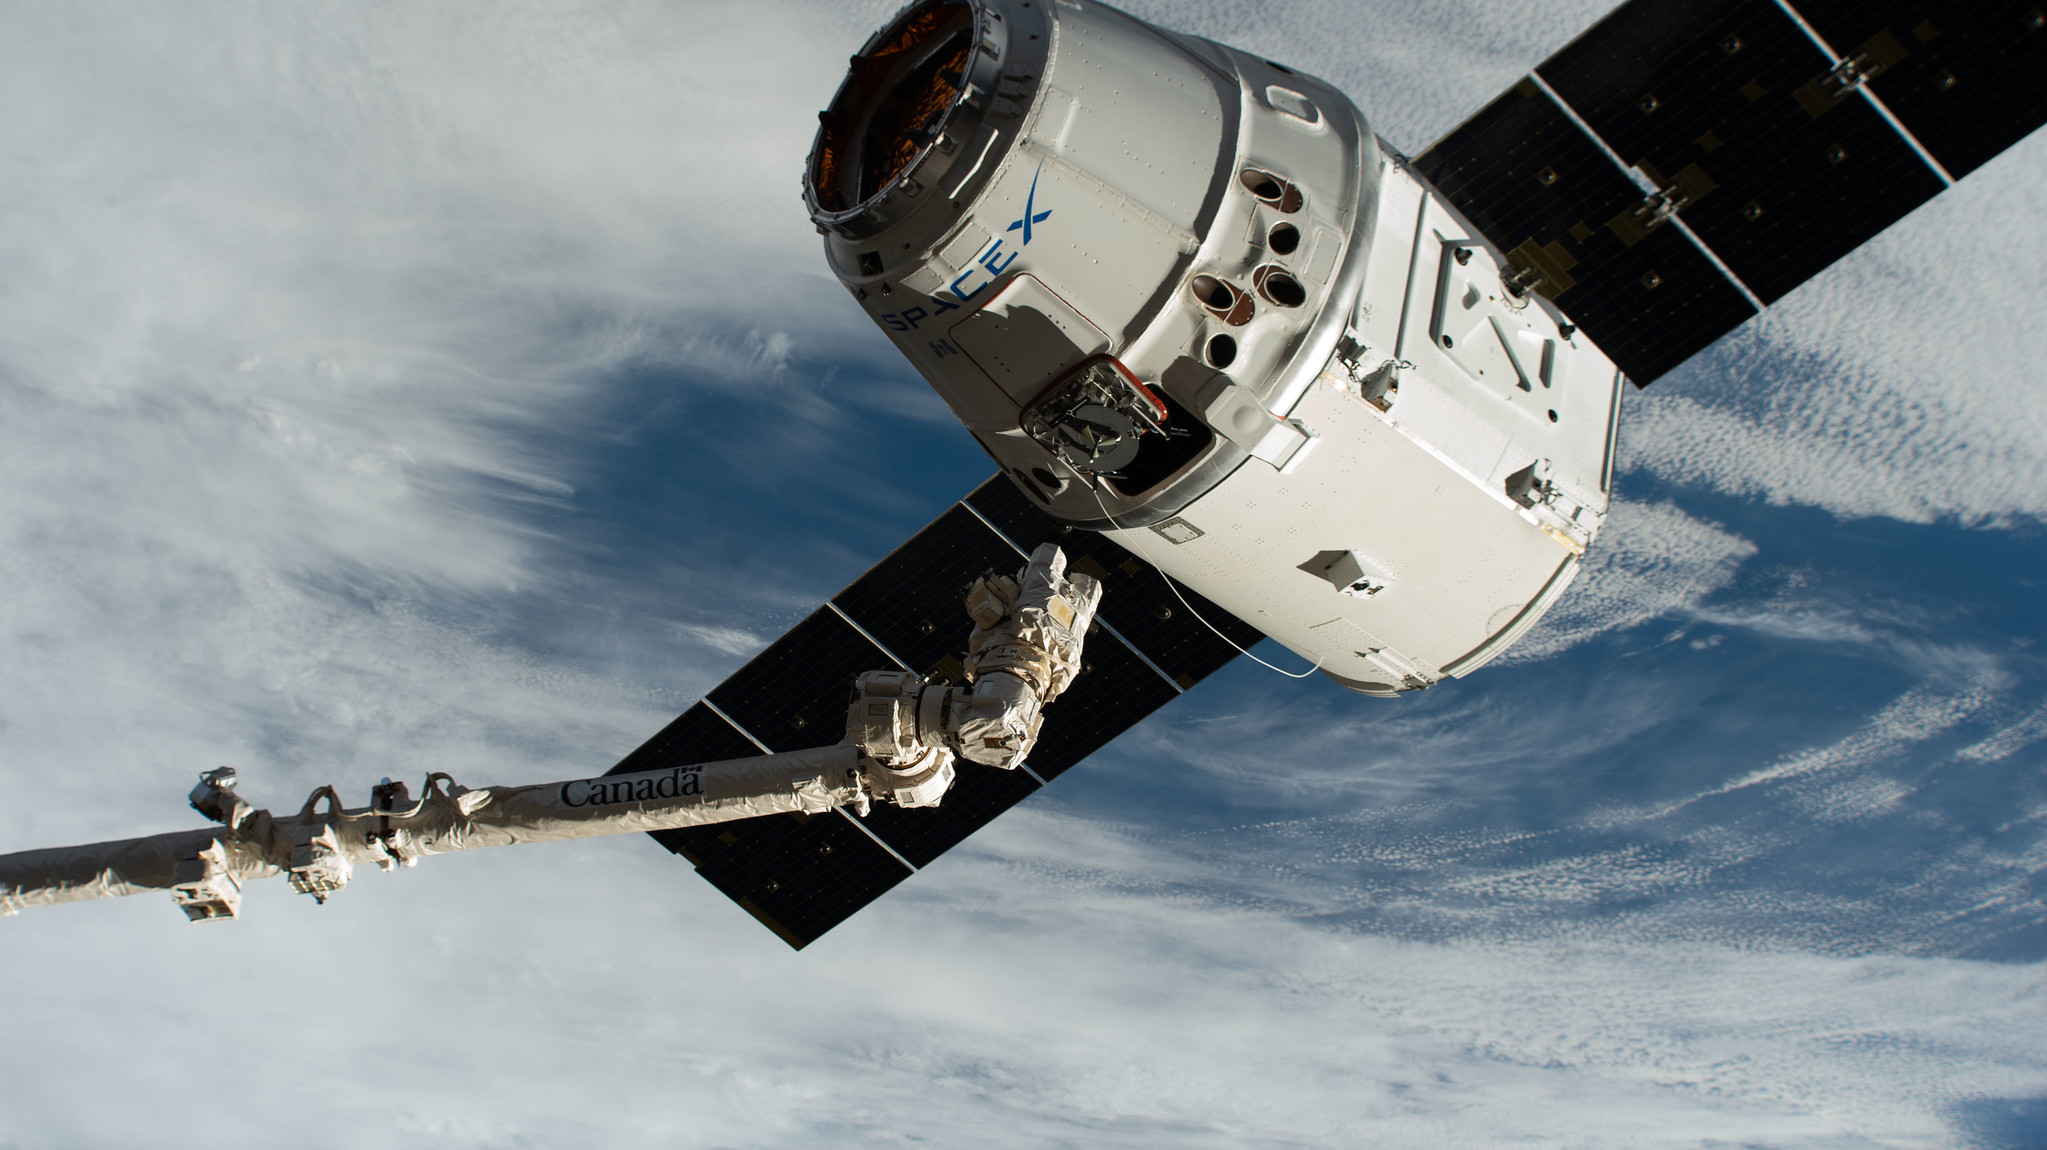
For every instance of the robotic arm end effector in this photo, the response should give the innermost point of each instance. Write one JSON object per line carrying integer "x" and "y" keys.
{"x": 1025, "y": 651}
{"x": 1029, "y": 631}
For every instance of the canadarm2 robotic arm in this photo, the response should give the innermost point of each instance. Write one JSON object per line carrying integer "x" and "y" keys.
{"x": 903, "y": 734}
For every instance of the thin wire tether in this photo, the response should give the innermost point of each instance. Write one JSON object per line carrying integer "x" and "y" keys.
{"x": 1096, "y": 492}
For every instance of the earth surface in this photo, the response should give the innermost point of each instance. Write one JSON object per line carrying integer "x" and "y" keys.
{"x": 460, "y": 388}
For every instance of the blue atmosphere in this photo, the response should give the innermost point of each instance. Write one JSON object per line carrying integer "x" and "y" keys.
{"x": 461, "y": 388}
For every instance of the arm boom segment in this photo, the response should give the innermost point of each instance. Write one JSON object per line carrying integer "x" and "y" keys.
{"x": 903, "y": 734}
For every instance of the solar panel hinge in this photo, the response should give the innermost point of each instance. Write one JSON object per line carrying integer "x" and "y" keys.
{"x": 1662, "y": 205}
{"x": 1821, "y": 95}
{"x": 1541, "y": 268}
{"x": 1561, "y": 516}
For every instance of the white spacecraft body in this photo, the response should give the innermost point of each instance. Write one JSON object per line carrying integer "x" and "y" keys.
{"x": 1186, "y": 298}
{"x": 1184, "y": 295}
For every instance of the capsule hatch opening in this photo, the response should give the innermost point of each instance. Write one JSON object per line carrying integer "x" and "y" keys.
{"x": 893, "y": 105}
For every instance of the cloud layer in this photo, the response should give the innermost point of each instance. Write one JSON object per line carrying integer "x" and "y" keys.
{"x": 459, "y": 389}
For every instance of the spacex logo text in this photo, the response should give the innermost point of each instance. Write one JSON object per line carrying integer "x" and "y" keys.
{"x": 989, "y": 263}
{"x": 1030, "y": 206}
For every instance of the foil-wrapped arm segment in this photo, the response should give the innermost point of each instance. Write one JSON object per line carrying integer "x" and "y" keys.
{"x": 902, "y": 735}
{"x": 1025, "y": 650}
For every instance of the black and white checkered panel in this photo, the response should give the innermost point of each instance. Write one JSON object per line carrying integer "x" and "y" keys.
{"x": 1790, "y": 132}
{"x": 802, "y": 875}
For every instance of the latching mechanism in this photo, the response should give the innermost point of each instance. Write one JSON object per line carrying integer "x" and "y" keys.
{"x": 1879, "y": 55}
{"x": 204, "y": 886}
{"x": 1849, "y": 75}
{"x": 1560, "y": 516}
{"x": 1381, "y": 385}
{"x": 1093, "y": 416}
{"x": 318, "y": 866}
{"x": 1013, "y": 94}
{"x": 215, "y": 798}
{"x": 1660, "y": 206}
{"x": 1236, "y": 414}
{"x": 1378, "y": 385}
{"x": 1541, "y": 268}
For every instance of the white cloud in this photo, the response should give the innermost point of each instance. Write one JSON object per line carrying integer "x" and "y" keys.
{"x": 1007, "y": 998}
{"x": 2010, "y": 740}
{"x": 312, "y": 280}
{"x": 308, "y": 310}
{"x": 1900, "y": 383}
{"x": 731, "y": 640}
{"x": 1924, "y": 712}
{"x": 312, "y": 316}
{"x": 1653, "y": 560}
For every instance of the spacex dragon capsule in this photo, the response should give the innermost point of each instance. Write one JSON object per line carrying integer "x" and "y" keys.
{"x": 1184, "y": 296}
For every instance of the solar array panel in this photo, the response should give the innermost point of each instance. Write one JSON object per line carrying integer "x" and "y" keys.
{"x": 1714, "y": 87}
{"x": 802, "y": 875}
{"x": 1531, "y": 180}
{"x": 1679, "y": 164}
{"x": 1683, "y": 158}
{"x": 1142, "y": 609}
{"x": 1965, "y": 78}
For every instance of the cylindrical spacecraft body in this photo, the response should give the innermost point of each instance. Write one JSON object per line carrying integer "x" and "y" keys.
{"x": 1184, "y": 295}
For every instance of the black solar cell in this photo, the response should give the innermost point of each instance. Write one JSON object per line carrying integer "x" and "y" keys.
{"x": 1114, "y": 693}
{"x": 698, "y": 735}
{"x": 1719, "y": 96}
{"x": 794, "y": 694}
{"x": 1726, "y": 106}
{"x": 978, "y": 794}
{"x": 1969, "y": 79}
{"x": 914, "y": 601}
{"x": 801, "y": 875}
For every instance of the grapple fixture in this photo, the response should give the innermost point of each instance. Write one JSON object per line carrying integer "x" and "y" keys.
{"x": 1093, "y": 417}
